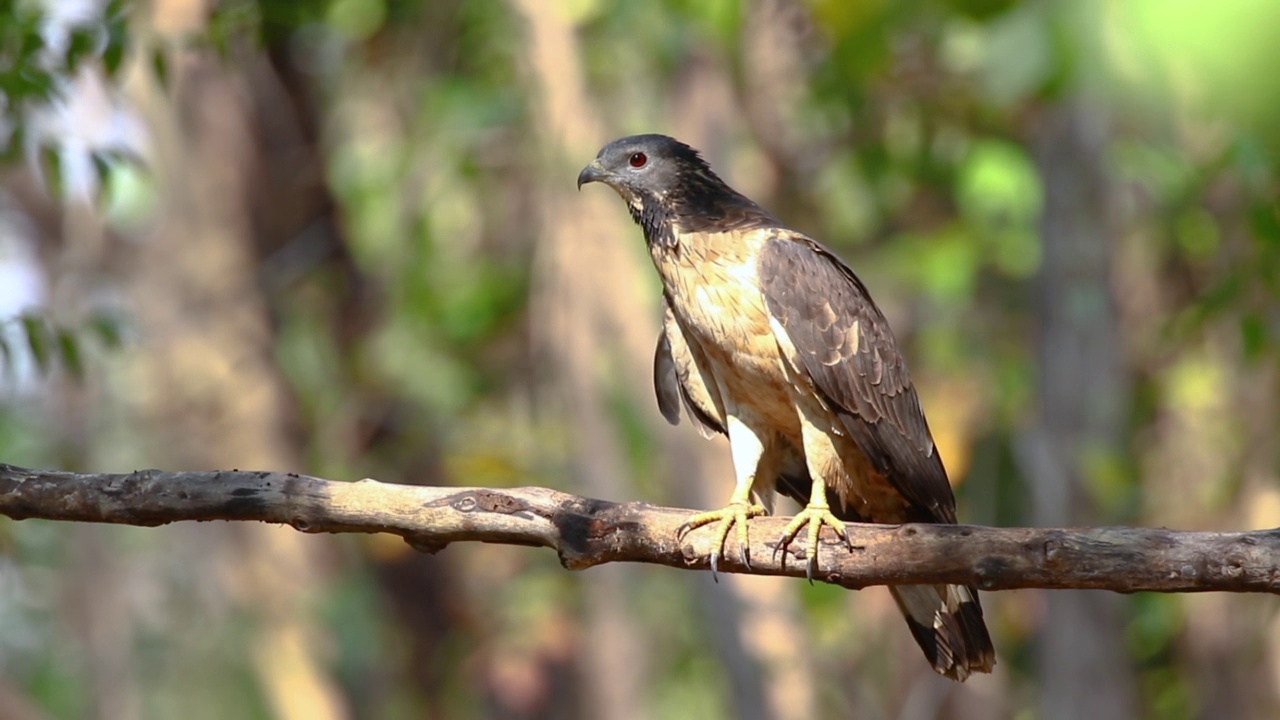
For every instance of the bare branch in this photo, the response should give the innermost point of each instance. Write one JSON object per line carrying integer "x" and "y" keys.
{"x": 586, "y": 532}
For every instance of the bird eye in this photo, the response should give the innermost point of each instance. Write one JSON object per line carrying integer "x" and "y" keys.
{"x": 638, "y": 160}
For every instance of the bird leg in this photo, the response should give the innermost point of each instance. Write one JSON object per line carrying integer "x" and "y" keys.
{"x": 815, "y": 515}
{"x": 748, "y": 451}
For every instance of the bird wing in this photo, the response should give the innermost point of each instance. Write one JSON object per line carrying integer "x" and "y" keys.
{"x": 677, "y": 380}
{"x": 844, "y": 346}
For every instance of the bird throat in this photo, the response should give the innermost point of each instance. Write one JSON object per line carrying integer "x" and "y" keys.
{"x": 656, "y": 220}
{"x": 700, "y": 202}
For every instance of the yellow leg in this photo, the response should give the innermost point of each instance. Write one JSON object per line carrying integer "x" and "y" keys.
{"x": 815, "y": 515}
{"x": 748, "y": 451}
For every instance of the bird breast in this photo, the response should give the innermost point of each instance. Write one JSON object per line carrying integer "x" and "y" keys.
{"x": 713, "y": 283}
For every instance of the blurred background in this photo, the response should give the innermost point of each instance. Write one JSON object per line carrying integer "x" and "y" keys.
{"x": 341, "y": 237}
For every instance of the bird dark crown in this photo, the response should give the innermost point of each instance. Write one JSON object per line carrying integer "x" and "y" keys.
{"x": 694, "y": 197}
{"x": 670, "y": 188}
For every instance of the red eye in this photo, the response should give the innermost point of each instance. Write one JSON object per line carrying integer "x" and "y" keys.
{"x": 638, "y": 160}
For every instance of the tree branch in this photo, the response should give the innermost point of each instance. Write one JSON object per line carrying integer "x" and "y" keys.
{"x": 587, "y": 532}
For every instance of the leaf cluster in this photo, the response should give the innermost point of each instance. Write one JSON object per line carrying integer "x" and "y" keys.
{"x": 35, "y": 72}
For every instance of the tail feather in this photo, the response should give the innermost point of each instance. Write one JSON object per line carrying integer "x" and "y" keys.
{"x": 946, "y": 621}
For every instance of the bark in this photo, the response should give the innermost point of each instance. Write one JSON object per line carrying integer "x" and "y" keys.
{"x": 587, "y": 532}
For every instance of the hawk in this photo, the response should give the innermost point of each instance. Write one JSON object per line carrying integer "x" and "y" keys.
{"x": 772, "y": 340}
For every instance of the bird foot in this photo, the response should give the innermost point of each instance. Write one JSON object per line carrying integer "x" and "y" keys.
{"x": 736, "y": 513}
{"x": 815, "y": 516}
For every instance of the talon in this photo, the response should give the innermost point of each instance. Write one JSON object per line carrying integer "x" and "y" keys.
{"x": 779, "y": 547}
{"x": 814, "y": 516}
{"x": 737, "y": 513}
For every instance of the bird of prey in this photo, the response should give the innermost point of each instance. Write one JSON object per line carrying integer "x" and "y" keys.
{"x": 773, "y": 341}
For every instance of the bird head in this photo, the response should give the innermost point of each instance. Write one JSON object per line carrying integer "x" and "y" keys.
{"x": 668, "y": 187}
{"x": 644, "y": 166}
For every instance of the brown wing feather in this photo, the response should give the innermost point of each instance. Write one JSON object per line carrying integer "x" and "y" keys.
{"x": 676, "y": 380}
{"x": 666, "y": 385}
{"x": 847, "y": 349}
{"x": 849, "y": 354}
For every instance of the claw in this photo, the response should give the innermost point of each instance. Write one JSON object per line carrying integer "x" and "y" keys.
{"x": 815, "y": 517}
{"x": 735, "y": 514}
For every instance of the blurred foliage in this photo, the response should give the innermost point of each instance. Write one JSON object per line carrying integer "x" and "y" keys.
{"x": 914, "y": 118}
{"x": 34, "y": 73}
{"x": 31, "y": 338}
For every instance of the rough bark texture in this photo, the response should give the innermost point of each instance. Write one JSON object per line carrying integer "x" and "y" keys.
{"x": 586, "y": 532}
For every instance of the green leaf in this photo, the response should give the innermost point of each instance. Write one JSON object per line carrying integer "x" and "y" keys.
{"x": 102, "y": 170}
{"x": 51, "y": 167}
{"x": 117, "y": 19}
{"x": 69, "y": 349}
{"x": 108, "y": 329}
{"x": 37, "y": 340}
{"x": 79, "y": 46}
{"x": 1255, "y": 335}
{"x": 6, "y": 356}
{"x": 48, "y": 342}
{"x": 117, "y": 11}
{"x": 160, "y": 66}
{"x": 32, "y": 43}
{"x": 113, "y": 58}
{"x": 12, "y": 149}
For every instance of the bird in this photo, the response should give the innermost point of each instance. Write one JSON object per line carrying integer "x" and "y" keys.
{"x": 771, "y": 340}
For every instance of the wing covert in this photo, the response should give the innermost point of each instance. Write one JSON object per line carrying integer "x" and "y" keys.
{"x": 844, "y": 345}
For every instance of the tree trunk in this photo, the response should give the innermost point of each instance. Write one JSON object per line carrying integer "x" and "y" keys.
{"x": 203, "y": 382}
{"x": 1084, "y": 668}
{"x": 581, "y": 281}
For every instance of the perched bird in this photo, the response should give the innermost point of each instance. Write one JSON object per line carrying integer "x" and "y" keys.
{"x": 770, "y": 339}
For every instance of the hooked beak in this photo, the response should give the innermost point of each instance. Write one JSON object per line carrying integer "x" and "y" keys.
{"x": 591, "y": 173}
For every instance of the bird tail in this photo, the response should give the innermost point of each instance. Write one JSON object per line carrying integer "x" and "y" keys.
{"x": 946, "y": 621}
